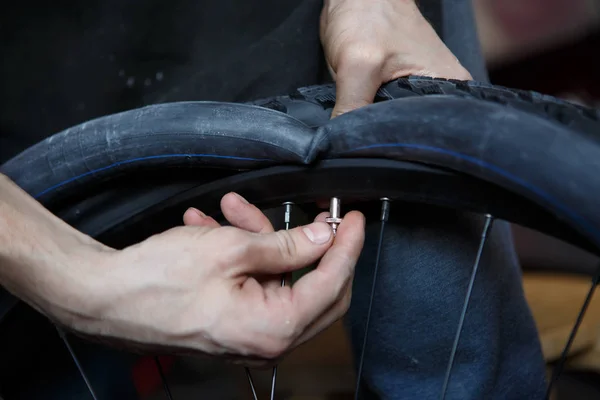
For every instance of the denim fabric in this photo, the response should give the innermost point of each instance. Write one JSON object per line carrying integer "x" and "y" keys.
{"x": 427, "y": 257}
{"x": 454, "y": 21}
{"x": 460, "y": 35}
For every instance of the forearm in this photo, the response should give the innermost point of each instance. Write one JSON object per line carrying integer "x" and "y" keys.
{"x": 42, "y": 259}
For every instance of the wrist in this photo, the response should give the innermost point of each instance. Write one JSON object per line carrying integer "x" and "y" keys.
{"x": 409, "y": 3}
{"x": 43, "y": 261}
{"x": 407, "y": 7}
{"x": 75, "y": 282}
{"x": 54, "y": 273}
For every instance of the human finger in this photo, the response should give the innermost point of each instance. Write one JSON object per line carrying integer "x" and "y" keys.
{"x": 241, "y": 214}
{"x": 322, "y": 216}
{"x": 287, "y": 250}
{"x": 323, "y": 287}
{"x": 358, "y": 77}
{"x": 195, "y": 217}
{"x": 327, "y": 318}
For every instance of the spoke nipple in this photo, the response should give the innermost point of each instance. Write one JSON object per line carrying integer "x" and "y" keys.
{"x": 489, "y": 219}
{"x": 287, "y": 215}
{"x": 385, "y": 209}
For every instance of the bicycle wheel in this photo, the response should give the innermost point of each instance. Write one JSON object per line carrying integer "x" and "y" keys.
{"x": 519, "y": 156}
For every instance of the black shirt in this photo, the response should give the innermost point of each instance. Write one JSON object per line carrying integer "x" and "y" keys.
{"x": 68, "y": 61}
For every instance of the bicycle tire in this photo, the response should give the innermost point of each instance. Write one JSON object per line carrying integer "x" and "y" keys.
{"x": 309, "y": 107}
{"x": 321, "y": 99}
{"x": 234, "y": 137}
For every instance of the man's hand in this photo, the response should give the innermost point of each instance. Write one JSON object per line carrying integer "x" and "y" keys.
{"x": 200, "y": 288}
{"x": 216, "y": 289}
{"x": 368, "y": 43}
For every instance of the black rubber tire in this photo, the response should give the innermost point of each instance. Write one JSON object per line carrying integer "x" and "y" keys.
{"x": 312, "y": 105}
{"x": 70, "y": 160}
{"x": 532, "y": 136}
{"x": 551, "y": 145}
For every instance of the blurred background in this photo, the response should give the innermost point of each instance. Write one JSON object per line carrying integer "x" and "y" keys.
{"x": 550, "y": 46}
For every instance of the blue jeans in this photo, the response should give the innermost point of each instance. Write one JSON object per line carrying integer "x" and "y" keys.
{"x": 427, "y": 258}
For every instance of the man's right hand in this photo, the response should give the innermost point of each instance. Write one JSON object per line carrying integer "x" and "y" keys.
{"x": 200, "y": 288}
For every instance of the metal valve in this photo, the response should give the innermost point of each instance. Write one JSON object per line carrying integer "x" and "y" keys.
{"x": 334, "y": 210}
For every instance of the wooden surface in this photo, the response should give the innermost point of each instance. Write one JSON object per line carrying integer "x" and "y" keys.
{"x": 322, "y": 368}
{"x": 555, "y": 301}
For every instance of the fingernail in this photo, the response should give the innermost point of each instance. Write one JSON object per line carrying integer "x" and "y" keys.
{"x": 243, "y": 200}
{"x": 318, "y": 232}
{"x": 200, "y": 213}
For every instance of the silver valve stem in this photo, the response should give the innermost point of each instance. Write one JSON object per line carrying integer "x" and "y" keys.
{"x": 335, "y": 215}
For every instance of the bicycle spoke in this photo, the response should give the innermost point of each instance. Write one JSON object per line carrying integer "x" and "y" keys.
{"x": 287, "y": 214}
{"x": 563, "y": 357}
{"x": 63, "y": 336}
{"x": 251, "y": 382}
{"x": 286, "y": 219}
{"x": 385, "y": 213}
{"x": 273, "y": 380}
{"x": 163, "y": 378}
{"x": 484, "y": 234}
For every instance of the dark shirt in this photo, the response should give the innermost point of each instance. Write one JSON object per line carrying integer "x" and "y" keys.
{"x": 68, "y": 61}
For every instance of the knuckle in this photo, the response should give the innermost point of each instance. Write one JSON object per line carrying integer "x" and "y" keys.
{"x": 274, "y": 349}
{"x": 340, "y": 296}
{"x": 270, "y": 353}
{"x": 341, "y": 284}
{"x": 360, "y": 54}
{"x": 278, "y": 344}
{"x": 234, "y": 246}
{"x": 345, "y": 303}
{"x": 343, "y": 297}
{"x": 236, "y": 239}
{"x": 286, "y": 246}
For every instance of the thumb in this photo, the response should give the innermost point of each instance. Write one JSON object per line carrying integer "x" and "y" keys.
{"x": 288, "y": 250}
{"x": 356, "y": 86}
